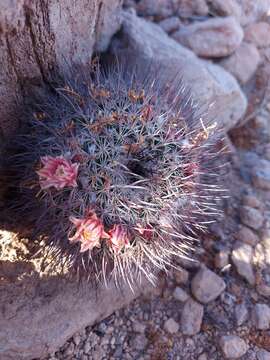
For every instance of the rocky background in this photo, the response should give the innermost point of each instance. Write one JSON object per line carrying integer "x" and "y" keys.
{"x": 217, "y": 307}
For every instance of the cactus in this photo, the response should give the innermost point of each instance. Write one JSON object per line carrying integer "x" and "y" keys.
{"x": 117, "y": 172}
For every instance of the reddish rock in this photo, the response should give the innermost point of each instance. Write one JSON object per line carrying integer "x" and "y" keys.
{"x": 187, "y": 8}
{"x": 243, "y": 63}
{"x": 258, "y": 34}
{"x": 247, "y": 236}
{"x": 160, "y": 8}
{"x": 253, "y": 10}
{"x": 216, "y": 37}
{"x": 226, "y": 8}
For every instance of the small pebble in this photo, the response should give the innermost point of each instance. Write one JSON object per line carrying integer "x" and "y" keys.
{"x": 181, "y": 276}
{"x": 76, "y": 339}
{"x": 138, "y": 327}
{"x": 139, "y": 342}
{"x": 180, "y": 294}
{"x": 242, "y": 259}
{"x": 69, "y": 350}
{"x": 241, "y": 314}
{"x": 206, "y": 286}
{"x": 203, "y": 357}
{"x": 252, "y": 201}
{"x": 233, "y": 347}
{"x": 263, "y": 290}
{"x": 247, "y": 236}
{"x": 170, "y": 24}
{"x": 251, "y": 217}
{"x": 221, "y": 259}
{"x": 259, "y": 256}
{"x": 191, "y": 317}
{"x": 263, "y": 355}
{"x": 87, "y": 347}
{"x": 171, "y": 326}
{"x": 261, "y": 316}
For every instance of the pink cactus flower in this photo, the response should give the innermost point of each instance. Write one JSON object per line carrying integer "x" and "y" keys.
{"x": 146, "y": 232}
{"x": 57, "y": 172}
{"x": 119, "y": 237}
{"x": 191, "y": 169}
{"x": 89, "y": 231}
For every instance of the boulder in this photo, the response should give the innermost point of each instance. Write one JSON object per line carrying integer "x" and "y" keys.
{"x": 39, "y": 314}
{"x": 217, "y": 37}
{"x": 38, "y": 39}
{"x": 143, "y": 41}
{"x": 243, "y": 63}
{"x": 252, "y": 11}
{"x": 226, "y": 8}
{"x": 258, "y": 34}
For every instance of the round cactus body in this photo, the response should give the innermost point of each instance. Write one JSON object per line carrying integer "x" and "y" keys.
{"x": 118, "y": 173}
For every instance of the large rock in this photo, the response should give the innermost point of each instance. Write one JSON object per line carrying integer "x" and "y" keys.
{"x": 243, "y": 63}
{"x": 258, "y": 34}
{"x": 225, "y": 8}
{"x": 144, "y": 41}
{"x": 37, "y": 40}
{"x": 252, "y": 11}
{"x": 39, "y": 314}
{"x": 217, "y": 37}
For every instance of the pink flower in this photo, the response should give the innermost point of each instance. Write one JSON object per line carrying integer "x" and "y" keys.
{"x": 57, "y": 172}
{"x": 89, "y": 231}
{"x": 146, "y": 232}
{"x": 191, "y": 169}
{"x": 119, "y": 238}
